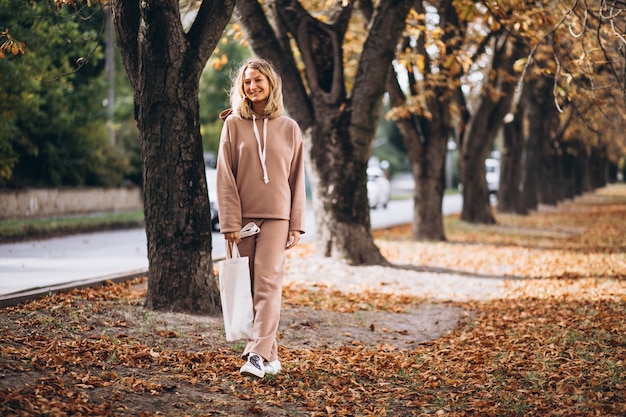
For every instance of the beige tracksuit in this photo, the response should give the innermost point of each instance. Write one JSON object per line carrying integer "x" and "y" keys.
{"x": 260, "y": 178}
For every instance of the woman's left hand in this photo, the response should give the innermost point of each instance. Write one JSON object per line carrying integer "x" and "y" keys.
{"x": 292, "y": 239}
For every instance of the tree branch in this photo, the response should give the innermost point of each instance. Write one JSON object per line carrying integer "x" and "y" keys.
{"x": 126, "y": 18}
{"x": 265, "y": 43}
{"x": 202, "y": 36}
{"x": 315, "y": 39}
{"x": 385, "y": 29}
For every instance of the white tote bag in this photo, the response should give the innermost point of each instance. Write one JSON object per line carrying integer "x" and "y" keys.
{"x": 236, "y": 295}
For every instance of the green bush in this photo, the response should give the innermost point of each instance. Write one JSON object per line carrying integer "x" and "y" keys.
{"x": 53, "y": 125}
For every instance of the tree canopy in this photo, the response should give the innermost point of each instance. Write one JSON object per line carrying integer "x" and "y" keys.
{"x": 493, "y": 53}
{"x": 53, "y": 130}
{"x": 215, "y": 84}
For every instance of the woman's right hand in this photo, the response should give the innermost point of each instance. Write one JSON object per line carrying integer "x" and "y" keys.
{"x": 232, "y": 237}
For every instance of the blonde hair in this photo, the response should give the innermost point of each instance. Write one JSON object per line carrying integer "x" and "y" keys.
{"x": 242, "y": 106}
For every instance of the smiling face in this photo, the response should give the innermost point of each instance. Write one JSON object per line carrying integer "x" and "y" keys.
{"x": 256, "y": 86}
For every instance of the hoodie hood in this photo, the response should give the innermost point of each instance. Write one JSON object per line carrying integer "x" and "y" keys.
{"x": 225, "y": 114}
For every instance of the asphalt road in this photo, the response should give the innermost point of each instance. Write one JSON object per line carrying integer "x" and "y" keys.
{"x": 37, "y": 265}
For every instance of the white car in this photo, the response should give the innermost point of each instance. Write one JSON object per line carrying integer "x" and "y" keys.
{"x": 378, "y": 188}
{"x": 492, "y": 168}
{"x": 492, "y": 175}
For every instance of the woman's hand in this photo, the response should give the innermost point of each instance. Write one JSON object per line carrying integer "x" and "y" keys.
{"x": 292, "y": 239}
{"x": 232, "y": 237}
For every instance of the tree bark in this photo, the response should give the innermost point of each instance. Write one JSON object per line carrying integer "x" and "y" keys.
{"x": 558, "y": 159}
{"x": 338, "y": 129}
{"x": 542, "y": 119}
{"x": 426, "y": 138}
{"x": 510, "y": 186}
{"x": 426, "y": 144}
{"x": 164, "y": 65}
{"x": 599, "y": 166}
{"x": 429, "y": 189}
{"x": 582, "y": 170}
{"x": 550, "y": 184}
{"x": 494, "y": 104}
{"x": 572, "y": 176}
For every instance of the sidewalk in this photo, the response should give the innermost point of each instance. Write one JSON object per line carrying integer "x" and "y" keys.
{"x": 35, "y": 268}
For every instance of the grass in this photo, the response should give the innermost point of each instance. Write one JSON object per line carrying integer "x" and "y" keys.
{"x": 24, "y": 229}
{"x": 27, "y": 229}
{"x": 406, "y": 195}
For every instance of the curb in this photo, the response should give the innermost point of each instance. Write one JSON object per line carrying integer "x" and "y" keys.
{"x": 15, "y": 298}
{"x": 7, "y": 300}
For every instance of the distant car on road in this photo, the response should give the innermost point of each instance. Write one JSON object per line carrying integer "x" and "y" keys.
{"x": 211, "y": 183}
{"x": 378, "y": 187}
{"x": 492, "y": 175}
{"x": 492, "y": 168}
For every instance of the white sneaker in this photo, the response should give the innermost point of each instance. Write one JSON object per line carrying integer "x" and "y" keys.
{"x": 253, "y": 366}
{"x": 273, "y": 367}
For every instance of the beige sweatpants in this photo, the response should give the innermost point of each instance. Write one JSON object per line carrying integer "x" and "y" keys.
{"x": 266, "y": 253}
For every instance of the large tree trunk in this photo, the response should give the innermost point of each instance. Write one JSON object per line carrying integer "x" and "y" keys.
{"x": 494, "y": 104}
{"x": 476, "y": 201}
{"x": 550, "y": 185}
{"x": 581, "y": 168}
{"x": 338, "y": 129}
{"x": 509, "y": 189}
{"x": 530, "y": 194}
{"x": 426, "y": 144}
{"x": 542, "y": 119}
{"x": 429, "y": 189}
{"x": 164, "y": 65}
{"x": 553, "y": 187}
{"x": 338, "y": 177}
{"x": 570, "y": 185}
{"x": 599, "y": 166}
{"x": 426, "y": 138}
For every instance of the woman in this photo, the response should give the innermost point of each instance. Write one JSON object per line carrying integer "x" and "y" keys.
{"x": 260, "y": 179}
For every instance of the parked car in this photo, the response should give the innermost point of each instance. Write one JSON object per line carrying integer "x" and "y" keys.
{"x": 492, "y": 175}
{"x": 492, "y": 168}
{"x": 378, "y": 187}
{"x": 211, "y": 183}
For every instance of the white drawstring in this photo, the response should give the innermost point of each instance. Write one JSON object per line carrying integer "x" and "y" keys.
{"x": 261, "y": 150}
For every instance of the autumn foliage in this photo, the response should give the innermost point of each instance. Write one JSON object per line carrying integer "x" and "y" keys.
{"x": 552, "y": 345}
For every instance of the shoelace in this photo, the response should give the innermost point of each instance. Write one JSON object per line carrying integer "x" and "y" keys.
{"x": 255, "y": 360}
{"x": 263, "y": 149}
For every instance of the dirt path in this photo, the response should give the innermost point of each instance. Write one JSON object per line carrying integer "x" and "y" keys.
{"x": 319, "y": 328}
{"x": 436, "y": 316}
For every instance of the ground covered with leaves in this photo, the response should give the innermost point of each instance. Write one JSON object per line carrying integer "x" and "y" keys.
{"x": 550, "y": 343}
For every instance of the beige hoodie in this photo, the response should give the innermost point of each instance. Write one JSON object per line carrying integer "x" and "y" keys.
{"x": 242, "y": 191}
